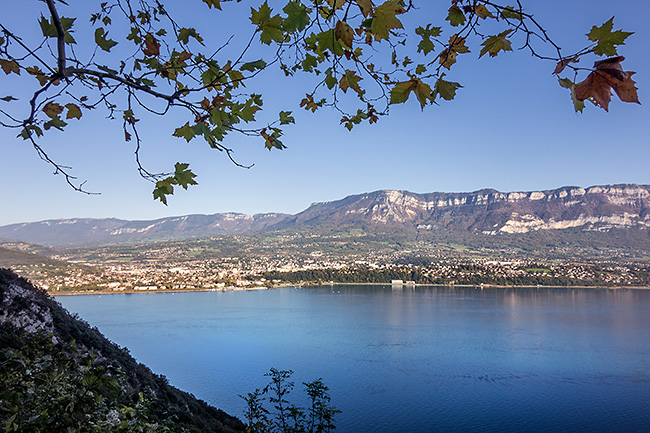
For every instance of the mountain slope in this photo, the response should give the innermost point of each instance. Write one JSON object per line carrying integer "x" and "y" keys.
{"x": 87, "y": 231}
{"x": 599, "y": 208}
{"x": 484, "y": 212}
{"x": 58, "y": 374}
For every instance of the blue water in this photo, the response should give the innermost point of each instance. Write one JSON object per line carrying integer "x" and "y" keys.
{"x": 413, "y": 360}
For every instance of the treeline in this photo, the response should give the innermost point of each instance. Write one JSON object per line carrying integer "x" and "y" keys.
{"x": 472, "y": 274}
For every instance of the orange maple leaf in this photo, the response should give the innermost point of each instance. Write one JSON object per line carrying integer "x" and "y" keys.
{"x": 608, "y": 75}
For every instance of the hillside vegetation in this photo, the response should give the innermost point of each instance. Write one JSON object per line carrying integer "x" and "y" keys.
{"x": 58, "y": 374}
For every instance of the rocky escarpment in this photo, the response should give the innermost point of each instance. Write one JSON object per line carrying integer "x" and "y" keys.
{"x": 55, "y": 373}
{"x": 488, "y": 211}
{"x": 600, "y": 208}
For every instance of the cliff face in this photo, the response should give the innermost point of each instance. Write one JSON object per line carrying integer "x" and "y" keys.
{"x": 69, "y": 376}
{"x": 489, "y": 211}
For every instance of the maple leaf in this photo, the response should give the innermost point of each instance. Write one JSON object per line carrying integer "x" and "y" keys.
{"x": 163, "y": 189}
{"x": 568, "y": 84}
{"x": 494, "y": 44}
{"x": 385, "y": 19}
{"x": 456, "y": 16}
{"x": 607, "y": 40}
{"x": 401, "y": 92}
{"x": 183, "y": 176}
{"x": 297, "y": 17}
{"x": 445, "y": 89}
{"x": 350, "y": 80}
{"x": 608, "y": 75}
{"x": 270, "y": 26}
{"x": 152, "y": 46}
{"x": 185, "y": 132}
{"x": 456, "y": 46}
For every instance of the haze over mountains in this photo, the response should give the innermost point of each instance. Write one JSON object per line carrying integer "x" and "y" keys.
{"x": 486, "y": 212}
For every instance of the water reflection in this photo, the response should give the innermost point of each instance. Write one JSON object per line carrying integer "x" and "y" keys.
{"x": 416, "y": 359}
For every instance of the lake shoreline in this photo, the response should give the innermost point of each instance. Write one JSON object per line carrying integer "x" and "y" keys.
{"x": 311, "y": 285}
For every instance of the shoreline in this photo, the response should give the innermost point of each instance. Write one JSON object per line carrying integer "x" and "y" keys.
{"x": 310, "y": 285}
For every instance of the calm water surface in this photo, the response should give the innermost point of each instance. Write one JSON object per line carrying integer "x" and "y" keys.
{"x": 413, "y": 360}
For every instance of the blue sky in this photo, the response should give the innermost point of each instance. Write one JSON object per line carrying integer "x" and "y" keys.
{"x": 511, "y": 127}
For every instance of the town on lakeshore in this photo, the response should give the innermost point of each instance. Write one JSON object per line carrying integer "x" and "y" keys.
{"x": 567, "y": 237}
{"x": 214, "y": 264}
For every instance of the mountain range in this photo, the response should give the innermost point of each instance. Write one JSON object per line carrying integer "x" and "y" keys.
{"x": 487, "y": 212}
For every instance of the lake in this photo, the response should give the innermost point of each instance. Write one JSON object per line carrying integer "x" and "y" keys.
{"x": 408, "y": 360}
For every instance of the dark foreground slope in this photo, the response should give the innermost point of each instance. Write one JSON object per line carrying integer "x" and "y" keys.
{"x": 59, "y": 374}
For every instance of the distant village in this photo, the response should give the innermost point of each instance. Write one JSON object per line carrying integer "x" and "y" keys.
{"x": 159, "y": 271}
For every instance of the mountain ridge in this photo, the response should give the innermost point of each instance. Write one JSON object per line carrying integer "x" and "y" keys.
{"x": 486, "y": 212}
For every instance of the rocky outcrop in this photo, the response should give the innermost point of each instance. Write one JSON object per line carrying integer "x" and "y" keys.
{"x": 22, "y": 305}
{"x": 24, "y": 310}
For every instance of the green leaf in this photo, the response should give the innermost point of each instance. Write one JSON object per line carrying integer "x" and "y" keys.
{"x": 510, "y": 12}
{"x": 568, "y": 84}
{"x": 385, "y": 19}
{"x": 270, "y": 26}
{"x": 67, "y": 23}
{"x": 297, "y": 17}
{"x": 28, "y": 130}
{"x": 428, "y": 31}
{"x": 425, "y": 46}
{"x": 445, "y": 89}
{"x": 401, "y": 92}
{"x": 309, "y": 63}
{"x": 163, "y": 189}
{"x": 183, "y": 176}
{"x": 252, "y": 66}
{"x": 607, "y": 40}
{"x": 73, "y": 111}
{"x": 48, "y": 29}
{"x": 494, "y": 44}
{"x": 184, "y": 35}
{"x": 325, "y": 41}
{"x": 456, "y": 17}
{"x": 330, "y": 80}
{"x": 212, "y": 3}
{"x": 134, "y": 36}
{"x": 101, "y": 41}
{"x": 185, "y": 132}
{"x": 55, "y": 123}
{"x": 286, "y": 118}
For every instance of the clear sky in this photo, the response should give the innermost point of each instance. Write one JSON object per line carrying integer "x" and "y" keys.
{"x": 511, "y": 127}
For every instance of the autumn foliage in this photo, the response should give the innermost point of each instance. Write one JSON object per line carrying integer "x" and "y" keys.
{"x": 362, "y": 57}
